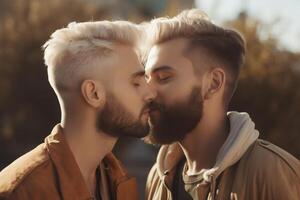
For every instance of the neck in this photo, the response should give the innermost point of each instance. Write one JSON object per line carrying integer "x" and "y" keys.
{"x": 208, "y": 137}
{"x": 88, "y": 145}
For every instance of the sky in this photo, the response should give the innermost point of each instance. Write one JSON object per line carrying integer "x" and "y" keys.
{"x": 283, "y": 14}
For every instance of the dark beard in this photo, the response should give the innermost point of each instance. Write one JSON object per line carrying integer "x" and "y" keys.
{"x": 115, "y": 121}
{"x": 175, "y": 122}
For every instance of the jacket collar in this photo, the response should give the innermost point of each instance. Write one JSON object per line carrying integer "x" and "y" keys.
{"x": 71, "y": 181}
{"x": 242, "y": 135}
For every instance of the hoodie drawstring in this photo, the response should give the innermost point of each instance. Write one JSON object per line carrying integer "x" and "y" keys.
{"x": 213, "y": 188}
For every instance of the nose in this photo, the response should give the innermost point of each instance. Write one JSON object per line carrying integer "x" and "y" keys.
{"x": 150, "y": 93}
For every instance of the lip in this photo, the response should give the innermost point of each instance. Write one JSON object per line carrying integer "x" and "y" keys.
{"x": 147, "y": 111}
{"x": 151, "y": 111}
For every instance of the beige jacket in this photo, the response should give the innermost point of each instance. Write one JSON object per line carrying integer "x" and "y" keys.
{"x": 50, "y": 172}
{"x": 246, "y": 168}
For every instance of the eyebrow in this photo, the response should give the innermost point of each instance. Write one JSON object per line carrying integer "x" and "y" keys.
{"x": 162, "y": 68}
{"x": 137, "y": 74}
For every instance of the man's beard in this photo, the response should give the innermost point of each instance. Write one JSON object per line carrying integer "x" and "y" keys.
{"x": 173, "y": 123}
{"x": 116, "y": 121}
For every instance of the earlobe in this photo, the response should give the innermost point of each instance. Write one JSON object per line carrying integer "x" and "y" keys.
{"x": 93, "y": 93}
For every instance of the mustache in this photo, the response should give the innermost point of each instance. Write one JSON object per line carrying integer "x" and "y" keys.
{"x": 151, "y": 106}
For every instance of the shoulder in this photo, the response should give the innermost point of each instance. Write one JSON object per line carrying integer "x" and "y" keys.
{"x": 269, "y": 171}
{"x": 30, "y": 166}
{"x": 267, "y": 157}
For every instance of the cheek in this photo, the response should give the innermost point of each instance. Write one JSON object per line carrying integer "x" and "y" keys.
{"x": 170, "y": 97}
{"x": 171, "y": 93}
{"x": 130, "y": 99}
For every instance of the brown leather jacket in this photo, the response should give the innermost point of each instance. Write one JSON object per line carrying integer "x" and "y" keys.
{"x": 50, "y": 172}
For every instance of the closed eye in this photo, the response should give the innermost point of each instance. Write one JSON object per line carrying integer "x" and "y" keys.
{"x": 136, "y": 84}
{"x": 163, "y": 74}
{"x": 137, "y": 77}
{"x": 164, "y": 78}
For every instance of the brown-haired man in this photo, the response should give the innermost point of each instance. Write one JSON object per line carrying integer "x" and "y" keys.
{"x": 208, "y": 153}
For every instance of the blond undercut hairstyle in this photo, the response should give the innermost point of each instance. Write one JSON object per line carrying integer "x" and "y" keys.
{"x": 71, "y": 52}
{"x": 225, "y": 47}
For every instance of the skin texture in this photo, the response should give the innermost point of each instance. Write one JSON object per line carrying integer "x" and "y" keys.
{"x": 173, "y": 74}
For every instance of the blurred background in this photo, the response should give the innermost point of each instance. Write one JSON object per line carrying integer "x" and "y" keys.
{"x": 269, "y": 88}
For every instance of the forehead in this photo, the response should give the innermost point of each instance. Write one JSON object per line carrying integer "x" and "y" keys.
{"x": 117, "y": 69}
{"x": 126, "y": 54}
{"x": 170, "y": 53}
{"x": 127, "y": 60}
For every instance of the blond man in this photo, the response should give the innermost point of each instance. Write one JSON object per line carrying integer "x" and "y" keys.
{"x": 95, "y": 71}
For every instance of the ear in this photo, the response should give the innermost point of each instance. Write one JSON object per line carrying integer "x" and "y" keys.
{"x": 93, "y": 93}
{"x": 215, "y": 81}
